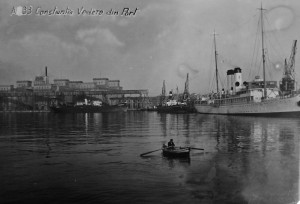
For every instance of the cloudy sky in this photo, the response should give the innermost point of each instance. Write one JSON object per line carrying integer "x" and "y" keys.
{"x": 164, "y": 40}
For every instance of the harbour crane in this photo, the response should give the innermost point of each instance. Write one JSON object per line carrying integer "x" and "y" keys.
{"x": 288, "y": 80}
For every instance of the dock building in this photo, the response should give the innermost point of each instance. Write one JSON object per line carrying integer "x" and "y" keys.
{"x": 39, "y": 93}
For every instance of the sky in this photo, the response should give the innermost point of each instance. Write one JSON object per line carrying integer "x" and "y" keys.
{"x": 162, "y": 40}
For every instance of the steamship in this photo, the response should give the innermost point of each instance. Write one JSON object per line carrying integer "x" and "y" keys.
{"x": 88, "y": 107}
{"x": 258, "y": 97}
{"x": 174, "y": 104}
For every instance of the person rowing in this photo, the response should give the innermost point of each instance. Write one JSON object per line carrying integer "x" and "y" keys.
{"x": 171, "y": 144}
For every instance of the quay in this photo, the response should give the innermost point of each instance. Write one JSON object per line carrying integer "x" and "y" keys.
{"x": 41, "y": 100}
{"x": 40, "y": 94}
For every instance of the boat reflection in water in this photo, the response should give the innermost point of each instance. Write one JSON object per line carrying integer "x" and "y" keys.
{"x": 258, "y": 158}
{"x": 175, "y": 162}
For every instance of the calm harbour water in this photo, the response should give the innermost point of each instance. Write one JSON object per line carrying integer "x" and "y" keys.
{"x": 94, "y": 158}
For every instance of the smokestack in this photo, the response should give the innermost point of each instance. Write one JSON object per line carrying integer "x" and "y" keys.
{"x": 170, "y": 94}
{"x": 230, "y": 73}
{"x": 238, "y": 79}
{"x": 46, "y": 71}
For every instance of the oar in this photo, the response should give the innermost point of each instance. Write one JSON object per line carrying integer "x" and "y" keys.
{"x": 149, "y": 152}
{"x": 196, "y": 148}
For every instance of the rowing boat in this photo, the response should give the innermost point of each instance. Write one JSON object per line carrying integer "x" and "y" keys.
{"x": 176, "y": 151}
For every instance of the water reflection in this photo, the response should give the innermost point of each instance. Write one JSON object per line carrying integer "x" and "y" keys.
{"x": 177, "y": 126}
{"x": 175, "y": 162}
{"x": 257, "y": 154}
{"x": 245, "y": 159}
{"x": 245, "y": 156}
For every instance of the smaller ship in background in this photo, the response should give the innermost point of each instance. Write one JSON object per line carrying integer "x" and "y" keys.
{"x": 88, "y": 106}
{"x": 176, "y": 103}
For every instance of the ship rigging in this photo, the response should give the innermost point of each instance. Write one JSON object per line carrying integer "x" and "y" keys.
{"x": 257, "y": 97}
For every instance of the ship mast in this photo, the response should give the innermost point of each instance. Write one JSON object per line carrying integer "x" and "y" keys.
{"x": 216, "y": 61}
{"x": 263, "y": 51}
{"x": 163, "y": 92}
{"x": 186, "y": 87}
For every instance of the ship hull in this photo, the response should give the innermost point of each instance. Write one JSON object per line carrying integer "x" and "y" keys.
{"x": 88, "y": 109}
{"x": 176, "y": 109}
{"x": 273, "y": 107}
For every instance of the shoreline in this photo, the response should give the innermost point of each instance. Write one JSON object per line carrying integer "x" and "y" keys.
{"x": 26, "y": 111}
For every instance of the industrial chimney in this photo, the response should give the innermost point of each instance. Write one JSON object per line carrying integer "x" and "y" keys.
{"x": 46, "y": 78}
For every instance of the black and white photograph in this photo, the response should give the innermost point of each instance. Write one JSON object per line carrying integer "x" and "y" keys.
{"x": 149, "y": 101}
